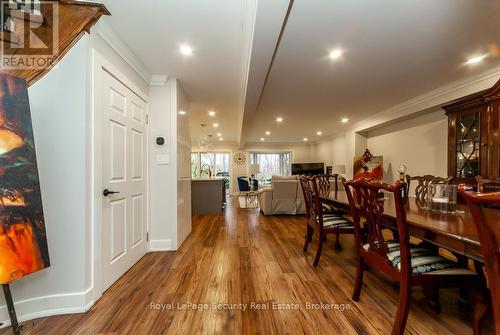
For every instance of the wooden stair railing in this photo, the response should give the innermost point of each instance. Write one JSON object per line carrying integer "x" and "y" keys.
{"x": 71, "y": 19}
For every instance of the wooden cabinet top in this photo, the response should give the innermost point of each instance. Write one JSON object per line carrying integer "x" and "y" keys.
{"x": 474, "y": 100}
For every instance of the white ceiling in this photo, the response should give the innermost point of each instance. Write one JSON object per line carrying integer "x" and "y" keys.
{"x": 213, "y": 77}
{"x": 394, "y": 50}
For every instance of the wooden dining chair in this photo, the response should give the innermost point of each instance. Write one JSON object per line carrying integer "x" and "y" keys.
{"x": 325, "y": 182}
{"x": 317, "y": 219}
{"x": 485, "y": 185}
{"x": 487, "y": 230}
{"x": 423, "y": 183}
{"x": 408, "y": 264}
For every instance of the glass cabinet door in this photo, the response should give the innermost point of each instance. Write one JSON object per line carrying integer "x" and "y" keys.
{"x": 468, "y": 145}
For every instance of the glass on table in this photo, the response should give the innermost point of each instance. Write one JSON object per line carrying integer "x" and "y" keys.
{"x": 442, "y": 198}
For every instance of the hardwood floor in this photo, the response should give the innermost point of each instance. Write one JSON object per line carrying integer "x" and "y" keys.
{"x": 241, "y": 257}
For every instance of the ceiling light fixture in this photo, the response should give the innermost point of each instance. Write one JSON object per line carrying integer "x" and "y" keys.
{"x": 306, "y": 139}
{"x": 215, "y": 125}
{"x": 219, "y": 134}
{"x": 475, "y": 60}
{"x": 344, "y": 120}
{"x": 221, "y": 139}
{"x": 186, "y": 50}
{"x": 319, "y": 133}
{"x": 268, "y": 133}
{"x": 262, "y": 138}
{"x": 182, "y": 113}
{"x": 279, "y": 119}
{"x": 335, "y": 54}
{"x": 211, "y": 113}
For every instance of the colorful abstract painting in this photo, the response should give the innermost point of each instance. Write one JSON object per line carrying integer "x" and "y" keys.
{"x": 23, "y": 241}
{"x": 368, "y": 166}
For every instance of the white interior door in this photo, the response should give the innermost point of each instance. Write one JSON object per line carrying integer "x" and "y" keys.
{"x": 124, "y": 218}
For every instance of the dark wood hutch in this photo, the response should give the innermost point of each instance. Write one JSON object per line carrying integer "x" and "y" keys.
{"x": 474, "y": 135}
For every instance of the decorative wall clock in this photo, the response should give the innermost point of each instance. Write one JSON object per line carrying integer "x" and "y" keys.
{"x": 239, "y": 158}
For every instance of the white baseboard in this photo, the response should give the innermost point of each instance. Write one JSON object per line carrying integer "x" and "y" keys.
{"x": 161, "y": 245}
{"x": 50, "y": 305}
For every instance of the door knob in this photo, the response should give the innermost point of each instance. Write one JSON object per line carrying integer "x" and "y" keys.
{"x": 107, "y": 192}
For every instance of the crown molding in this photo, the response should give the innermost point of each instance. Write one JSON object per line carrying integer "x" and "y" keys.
{"x": 431, "y": 99}
{"x": 158, "y": 80}
{"x": 116, "y": 43}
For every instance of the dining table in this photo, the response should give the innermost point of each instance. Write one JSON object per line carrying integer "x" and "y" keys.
{"x": 454, "y": 231}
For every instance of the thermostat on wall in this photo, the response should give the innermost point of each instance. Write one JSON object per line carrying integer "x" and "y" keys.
{"x": 160, "y": 140}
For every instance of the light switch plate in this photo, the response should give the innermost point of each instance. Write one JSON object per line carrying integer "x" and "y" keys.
{"x": 162, "y": 159}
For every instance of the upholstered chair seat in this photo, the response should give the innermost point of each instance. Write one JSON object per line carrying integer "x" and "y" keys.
{"x": 423, "y": 260}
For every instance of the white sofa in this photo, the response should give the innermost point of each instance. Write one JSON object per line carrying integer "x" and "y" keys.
{"x": 283, "y": 197}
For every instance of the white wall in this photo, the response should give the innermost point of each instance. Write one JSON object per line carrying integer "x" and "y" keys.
{"x": 331, "y": 151}
{"x": 58, "y": 109}
{"x": 61, "y": 109}
{"x": 183, "y": 166}
{"x": 163, "y": 191}
{"x": 170, "y": 221}
{"x": 419, "y": 143}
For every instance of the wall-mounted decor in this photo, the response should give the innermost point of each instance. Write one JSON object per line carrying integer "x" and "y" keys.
{"x": 368, "y": 166}
{"x": 239, "y": 158}
{"x": 23, "y": 241}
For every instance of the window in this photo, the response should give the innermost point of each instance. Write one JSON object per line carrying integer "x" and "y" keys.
{"x": 194, "y": 165}
{"x": 202, "y": 163}
{"x": 271, "y": 163}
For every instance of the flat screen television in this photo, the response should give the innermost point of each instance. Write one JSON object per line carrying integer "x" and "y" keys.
{"x": 308, "y": 168}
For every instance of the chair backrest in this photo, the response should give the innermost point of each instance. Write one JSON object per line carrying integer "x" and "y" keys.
{"x": 488, "y": 185}
{"x": 364, "y": 202}
{"x": 423, "y": 186}
{"x": 308, "y": 195}
{"x": 314, "y": 209}
{"x": 324, "y": 182}
{"x": 243, "y": 185}
{"x": 487, "y": 227}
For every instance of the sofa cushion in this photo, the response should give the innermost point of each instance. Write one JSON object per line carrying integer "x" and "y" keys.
{"x": 284, "y": 178}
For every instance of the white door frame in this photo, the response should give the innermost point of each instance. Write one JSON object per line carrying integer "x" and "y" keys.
{"x": 100, "y": 63}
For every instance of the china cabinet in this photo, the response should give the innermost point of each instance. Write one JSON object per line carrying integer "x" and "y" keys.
{"x": 473, "y": 135}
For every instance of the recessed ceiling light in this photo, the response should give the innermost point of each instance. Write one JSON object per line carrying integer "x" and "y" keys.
{"x": 262, "y": 138}
{"x": 219, "y": 134}
{"x": 319, "y": 133}
{"x": 186, "y": 50}
{"x": 475, "y": 59}
{"x": 221, "y": 139}
{"x": 344, "y": 120}
{"x": 211, "y": 113}
{"x": 182, "y": 113}
{"x": 215, "y": 125}
{"x": 306, "y": 139}
{"x": 268, "y": 133}
{"x": 335, "y": 54}
{"x": 279, "y": 119}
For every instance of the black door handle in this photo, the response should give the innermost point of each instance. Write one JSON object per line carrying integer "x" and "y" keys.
{"x": 107, "y": 192}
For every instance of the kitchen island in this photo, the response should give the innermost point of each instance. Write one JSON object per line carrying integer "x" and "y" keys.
{"x": 208, "y": 195}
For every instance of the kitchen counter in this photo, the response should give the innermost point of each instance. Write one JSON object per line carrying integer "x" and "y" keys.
{"x": 208, "y": 195}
